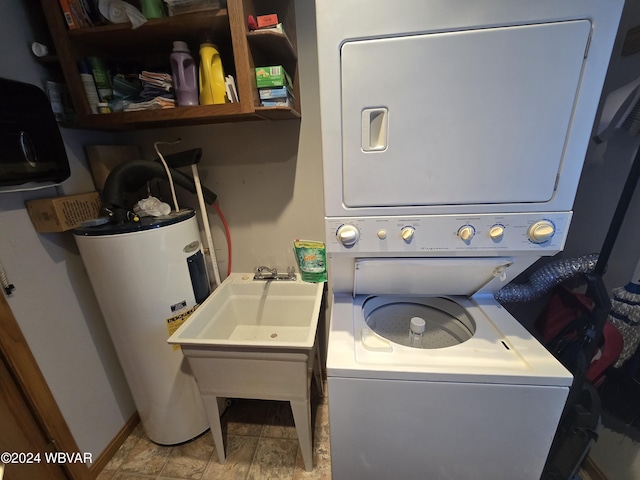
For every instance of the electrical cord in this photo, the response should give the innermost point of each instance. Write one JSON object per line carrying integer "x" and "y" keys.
{"x": 166, "y": 167}
{"x": 175, "y": 201}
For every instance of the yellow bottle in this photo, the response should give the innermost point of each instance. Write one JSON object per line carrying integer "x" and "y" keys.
{"x": 212, "y": 86}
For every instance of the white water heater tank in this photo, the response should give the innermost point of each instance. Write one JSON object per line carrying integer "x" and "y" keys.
{"x": 147, "y": 277}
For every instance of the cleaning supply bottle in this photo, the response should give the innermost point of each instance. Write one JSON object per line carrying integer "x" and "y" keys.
{"x": 183, "y": 68}
{"x": 212, "y": 85}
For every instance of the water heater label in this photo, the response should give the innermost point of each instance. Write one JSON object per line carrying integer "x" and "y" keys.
{"x": 192, "y": 247}
{"x": 176, "y": 321}
{"x": 178, "y": 306}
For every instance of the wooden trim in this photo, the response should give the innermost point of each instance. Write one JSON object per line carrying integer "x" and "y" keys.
{"x": 114, "y": 445}
{"x": 590, "y": 468}
{"x": 21, "y": 362}
{"x": 245, "y": 77}
{"x": 58, "y": 30}
{"x": 21, "y": 432}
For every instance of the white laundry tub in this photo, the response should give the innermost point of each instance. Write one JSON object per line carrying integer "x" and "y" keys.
{"x": 256, "y": 339}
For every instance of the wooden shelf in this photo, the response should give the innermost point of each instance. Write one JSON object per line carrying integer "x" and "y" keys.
{"x": 150, "y": 46}
{"x": 158, "y": 34}
{"x": 182, "y": 116}
{"x": 272, "y": 41}
{"x": 273, "y": 48}
{"x": 277, "y": 113}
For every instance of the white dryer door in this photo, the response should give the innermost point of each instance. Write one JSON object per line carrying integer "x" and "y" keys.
{"x": 468, "y": 117}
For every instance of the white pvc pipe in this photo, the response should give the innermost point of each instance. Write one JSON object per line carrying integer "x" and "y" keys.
{"x": 205, "y": 223}
{"x": 169, "y": 176}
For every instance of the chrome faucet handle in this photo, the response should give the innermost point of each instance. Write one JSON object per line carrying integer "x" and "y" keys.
{"x": 263, "y": 268}
{"x": 265, "y": 273}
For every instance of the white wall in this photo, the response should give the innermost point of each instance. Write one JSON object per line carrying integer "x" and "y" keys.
{"x": 53, "y": 303}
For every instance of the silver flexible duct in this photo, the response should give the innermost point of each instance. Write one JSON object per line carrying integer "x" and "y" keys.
{"x": 545, "y": 278}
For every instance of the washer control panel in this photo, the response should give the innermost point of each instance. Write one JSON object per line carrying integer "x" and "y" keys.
{"x": 348, "y": 234}
{"x": 443, "y": 234}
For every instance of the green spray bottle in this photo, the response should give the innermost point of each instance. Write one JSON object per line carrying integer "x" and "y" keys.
{"x": 212, "y": 84}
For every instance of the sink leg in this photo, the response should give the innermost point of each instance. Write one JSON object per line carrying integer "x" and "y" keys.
{"x": 317, "y": 371}
{"x": 213, "y": 414}
{"x": 302, "y": 418}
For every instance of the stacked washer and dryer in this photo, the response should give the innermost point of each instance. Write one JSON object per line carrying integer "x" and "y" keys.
{"x": 453, "y": 140}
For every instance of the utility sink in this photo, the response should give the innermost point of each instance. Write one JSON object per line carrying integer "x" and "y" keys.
{"x": 244, "y": 312}
{"x": 256, "y": 339}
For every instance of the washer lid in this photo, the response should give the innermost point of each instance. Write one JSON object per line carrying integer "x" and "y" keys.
{"x": 426, "y": 276}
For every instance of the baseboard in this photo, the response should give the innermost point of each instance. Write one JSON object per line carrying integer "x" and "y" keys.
{"x": 114, "y": 445}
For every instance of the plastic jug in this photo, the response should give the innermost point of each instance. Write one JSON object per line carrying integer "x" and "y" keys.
{"x": 212, "y": 85}
{"x": 183, "y": 68}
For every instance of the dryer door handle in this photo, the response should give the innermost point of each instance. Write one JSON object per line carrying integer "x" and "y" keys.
{"x": 375, "y": 129}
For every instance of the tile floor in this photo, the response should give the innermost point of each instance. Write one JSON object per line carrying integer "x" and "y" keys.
{"x": 261, "y": 444}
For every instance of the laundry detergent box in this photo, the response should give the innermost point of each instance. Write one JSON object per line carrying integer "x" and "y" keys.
{"x": 278, "y": 102}
{"x": 59, "y": 214}
{"x": 275, "y": 93}
{"x": 272, "y": 76}
{"x": 276, "y": 97}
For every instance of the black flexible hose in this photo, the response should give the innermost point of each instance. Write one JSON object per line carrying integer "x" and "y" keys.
{"x": 547, "y": 277}
{"x": 131, "y": 176}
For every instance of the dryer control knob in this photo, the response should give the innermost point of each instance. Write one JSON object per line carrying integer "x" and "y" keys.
{"x": 407, "y": 233}
{"x": 466, "y": 233}
{"x": 496, "y": 232}
{"x": 382, "y": 234}
{"x": 541, "y": 231}
{"x": 348, "y": 235}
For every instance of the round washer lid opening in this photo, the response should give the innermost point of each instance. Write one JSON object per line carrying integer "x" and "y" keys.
{"x": 446, "y": 323}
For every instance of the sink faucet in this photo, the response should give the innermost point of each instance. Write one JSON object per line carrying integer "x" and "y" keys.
{"x": 266, "y": 273}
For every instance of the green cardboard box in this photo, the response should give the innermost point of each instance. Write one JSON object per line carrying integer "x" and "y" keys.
{"x": 272, "y": 76}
